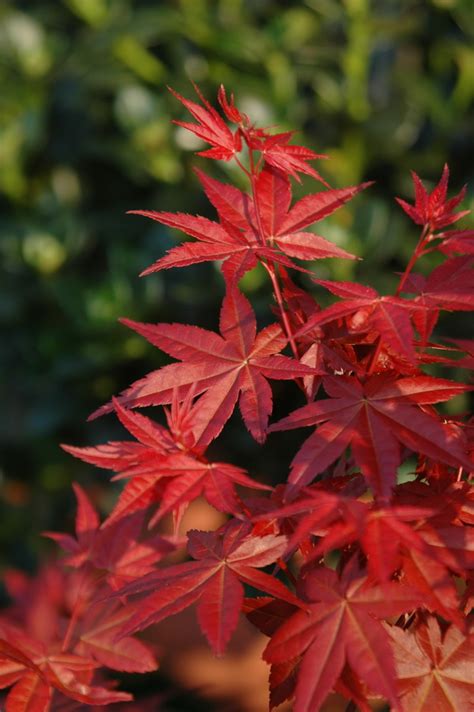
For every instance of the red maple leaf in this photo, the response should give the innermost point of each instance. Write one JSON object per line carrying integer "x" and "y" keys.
{"x": 35, "y": 672}
{"x": 114, "y": 551}
{"x": 340, "y": 627}
{"x": 364, "y": 310}
{"x": 251, "y": 229}
{"x": 275, "y": 148}
{"x": 268, "y": 615}
{"x": 375, "y": 417}
{"x": 154, "y": 442}
{"x": 170, "y": 465}
{"x": 288, "y": 158}
{"x": 226, "y": 144}
{"x": 61, "y": 637}
{"x": 210, "y": 128}
{"x": 224, "y": 559}
{"x": 435, "y": 670}
{"x": 229, "y": 367}
{"x": 308, "y": 513}
{"x": 432, "y": 209}
{"x": 394, "y": 539}
{"x": 99, "y": 637}
{"x": 431, "y": 579}
{"x": 381, "y": 532}
{"x": 448, "y": 287}
{"x": 452, "y": 501}
{"x": 282, "y": 224}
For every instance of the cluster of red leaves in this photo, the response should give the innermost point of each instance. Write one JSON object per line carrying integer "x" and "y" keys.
{"x": 372, "y": 584}
{"x": 61, "y": 629}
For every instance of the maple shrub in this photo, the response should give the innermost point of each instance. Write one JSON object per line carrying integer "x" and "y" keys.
{"x": 360, "y": 578}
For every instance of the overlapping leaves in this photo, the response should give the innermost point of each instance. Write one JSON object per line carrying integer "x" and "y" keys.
{"x": 227, "y": 367}
{"x": 374, "y": 577}
{"x": 375, "y": 417}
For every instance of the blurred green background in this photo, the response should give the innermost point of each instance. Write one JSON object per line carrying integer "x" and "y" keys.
{"x": 381, "y": 86}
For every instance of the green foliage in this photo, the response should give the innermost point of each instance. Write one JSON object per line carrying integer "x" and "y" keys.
{"x": 85, "y": 135}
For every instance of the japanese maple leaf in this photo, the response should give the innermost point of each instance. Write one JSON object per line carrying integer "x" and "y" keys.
{"x": 178, "y": 482}
{"x": 93, "y": 622}
{"x": 288, "y": 158}
{"x": 214, "y": 480}
{"x": 239, "y": 251}
{"x": 211, "y": 128}
{"x": 340, "y": 627}
{"x": 228, "y": 367}
{"x": 171, "y": 467}
{"x": 282, "y": 224}
{"x": 154, "y": 443}
{"x": 435, "y": 584}
{"x": 309, "y": 513}
{"x": 244, "y": 235}
{"x": 225, "y": 144}
{"x": 381, "y": 532}
{"x": 35, "y": 672}
{"x": 97, "y": 637}
{"x": 63, "y": 656}
{"x": 435, "y": 671}
{"x": 395, "y": 539}
{"x": 452, "y": 545}
{"x": 224, "y": 559}
{"x": 374, "y": 417}
{"x": 328, "y": 348}
{"x": 432, "y": 209}
{"x": 114, "y": 550}
{"x": 452, "y": 501}
{"x": 429, "y": 569}
{"x": 364, "y": 309}
{"x": 268, "y": 615}
{"x": 448, "y": 287}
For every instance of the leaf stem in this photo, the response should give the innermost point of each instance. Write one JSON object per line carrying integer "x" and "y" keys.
{"x": 279, "y": 300}
{"x": 423, "y": 239}
{"x": 242, "y": 167}
{"x": 375, "y": 356}
{"x": 268, "y": 264}
{"x": 284, "y": 567}
{"x": 76, "y": 613}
